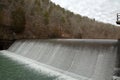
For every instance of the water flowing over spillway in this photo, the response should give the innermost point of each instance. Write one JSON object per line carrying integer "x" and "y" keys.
{"x": 80, "y": 59}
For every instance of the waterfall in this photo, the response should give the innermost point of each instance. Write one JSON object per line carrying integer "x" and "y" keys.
{"x": 80, "y": 59}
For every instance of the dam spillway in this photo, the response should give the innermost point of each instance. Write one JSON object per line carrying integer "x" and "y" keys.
{"x": 80, "y": 59}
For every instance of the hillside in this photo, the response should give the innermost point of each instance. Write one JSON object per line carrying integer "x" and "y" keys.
{"x": 43, "y": 19}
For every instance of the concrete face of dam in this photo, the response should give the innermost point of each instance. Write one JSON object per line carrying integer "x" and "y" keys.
{"x": 80, "y": 59}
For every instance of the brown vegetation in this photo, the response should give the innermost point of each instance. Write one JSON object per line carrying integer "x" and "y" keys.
{"x": 44, "y": 19}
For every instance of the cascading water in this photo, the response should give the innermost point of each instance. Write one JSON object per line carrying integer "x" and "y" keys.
{"x": 80, "y": 59}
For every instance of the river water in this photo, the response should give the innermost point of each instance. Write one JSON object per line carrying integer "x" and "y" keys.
{"x": 13, "y": 70}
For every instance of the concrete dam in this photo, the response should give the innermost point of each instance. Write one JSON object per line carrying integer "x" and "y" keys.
{"x": 80, "y": 59}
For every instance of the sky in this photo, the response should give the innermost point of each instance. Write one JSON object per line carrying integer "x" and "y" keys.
{"x": 100, "y": 10}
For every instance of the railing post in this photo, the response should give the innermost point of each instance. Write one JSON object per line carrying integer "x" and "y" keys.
{"x": 118, "y": 16}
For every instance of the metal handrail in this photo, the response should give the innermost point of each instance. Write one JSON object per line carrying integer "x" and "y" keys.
{"x": 118, "y": 18}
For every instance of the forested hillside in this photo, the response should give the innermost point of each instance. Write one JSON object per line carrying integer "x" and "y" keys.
{"x": 43, "y": 19}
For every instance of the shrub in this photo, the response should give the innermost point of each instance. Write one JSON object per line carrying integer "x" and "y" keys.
{"x": 46, "y": 18}
{"x": 18, "y": 20}
{"x": 63, "y": 19}
{"x": 1, "y": 17}
{"x": 1, "y": 13}
{"x": 55, "y": 32}
{"x": 37, "y": 9}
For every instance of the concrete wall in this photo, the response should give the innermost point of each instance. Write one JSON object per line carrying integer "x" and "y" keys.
{"x": 5, "y": 44}
{"x": 117, "y": 67}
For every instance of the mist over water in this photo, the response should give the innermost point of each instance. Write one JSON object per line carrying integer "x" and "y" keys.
{"x": 100, "y": 10}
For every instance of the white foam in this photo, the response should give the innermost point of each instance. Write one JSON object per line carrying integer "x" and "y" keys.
{"x": 45, "y": 69}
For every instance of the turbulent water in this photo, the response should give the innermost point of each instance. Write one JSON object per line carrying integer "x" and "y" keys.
{"x": 12, "y": 70}
{"x": 101, "y": 10}
{"x": 79, "y": 59}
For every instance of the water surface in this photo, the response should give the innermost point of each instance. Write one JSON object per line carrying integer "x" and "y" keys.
{"x": 12, "y": 70}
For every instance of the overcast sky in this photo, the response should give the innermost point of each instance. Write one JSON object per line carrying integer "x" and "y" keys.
{"x": 102, "y": 10}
